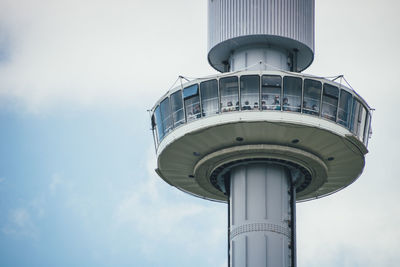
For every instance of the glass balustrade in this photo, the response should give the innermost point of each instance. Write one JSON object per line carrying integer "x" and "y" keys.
{"x": 262, "y": 93}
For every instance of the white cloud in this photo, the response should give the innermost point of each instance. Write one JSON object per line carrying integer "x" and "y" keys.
{"x": 20, "y": 217}
{"x": 2, "y": 180}
{"x": 76, "y": 201}
{"x": 89, "y": 53}
{"x": 85, "y": 53}
{"x": 358, "y": 226}
{"x": 224, "y": 264}
{"x": 56, "y": 182}
{"x": 164, "y": 221}
{"x": 20, "y": 224}
{"x": 22, "y": 221}
{"x": 37, "y": 206}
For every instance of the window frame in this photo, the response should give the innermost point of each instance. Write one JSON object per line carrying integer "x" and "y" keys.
{"x": 183, "y": 121}
{"x": 240, "y": 92}
{"x": 218, "y": 97}
{"x": 350, "y": 108}
{"x": 316, "y": 113}
{"x": 292, "y": 108}
{"x": 274, "y": 106}
{"x": 233, "y": 108}
{"x": 330, "y": 96}
{"x": 185, "y": 98}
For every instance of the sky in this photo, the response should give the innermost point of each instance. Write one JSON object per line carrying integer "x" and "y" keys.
{"x": 77, "y": 180}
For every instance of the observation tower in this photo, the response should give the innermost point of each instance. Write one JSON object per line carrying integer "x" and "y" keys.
{"x": 260, "y": 135}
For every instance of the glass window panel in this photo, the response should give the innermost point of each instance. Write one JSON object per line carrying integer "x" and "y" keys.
{"x": 192, "y": 102}
{"x": 330, "y": 101}
{"x": 271, "y": 92}
{"x": 358, "y": 119}
{"x": 249, "y": 92}
{"x": 229, "y": 91}
{"x": 159, "y": 125}
{"x": 166, "y": 116}
{"x": 366, "y": 130}
{"x": 312, "y": 97}
{"x": 177, "y": 108}
{"x": 291, "y": 94}
{"x": 369, "y": 129}
{"x": 354, "y": 125}
{"x": 191, "y": 91}
{"x": 209, "y": 97}
{"x": 362, "y": 121}
{"x": 344, "y": 108}
{"x": 154, "y": 129}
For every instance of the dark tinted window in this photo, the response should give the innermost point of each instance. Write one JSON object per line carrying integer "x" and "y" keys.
{"x": 209, "y": 97}
{"x": 159, "y": 125}
{"x": 354, "y": 124}
{"x": 367, "y": 129}
{"x": 177, "y": 108}
{"x": 229, "y": 91}
{"x": 166, "y": 116}
{"x": 291, "y": 94}
{"x": 192, "y": 102}
{"x": 312, "y": 97}
{"x": 344, "y": 108}
{"x": 330, "y": 101}
{"x": 271, "y": 92}
{"x": 358, "y": 117}
{"x": 249, "y": 92}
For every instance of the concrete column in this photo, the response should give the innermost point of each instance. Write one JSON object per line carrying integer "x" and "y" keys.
{"x": 260, "y": 216}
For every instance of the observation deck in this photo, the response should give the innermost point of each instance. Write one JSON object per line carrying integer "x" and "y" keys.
{"x": 316, "y": 127}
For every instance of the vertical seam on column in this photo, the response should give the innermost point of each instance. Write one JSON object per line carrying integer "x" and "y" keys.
{"x": 245, "y": 193}
{"x": 283, "y": 251}
{"x": 266, "y": 191}
{"x": 283, "y": 176}
{"x": 266, "y": 250}
{"x": 246, "y": 252}
{"x": 232, "y": 259}
{"x": 232, "y": 193}
{"x": 284, "y": 254}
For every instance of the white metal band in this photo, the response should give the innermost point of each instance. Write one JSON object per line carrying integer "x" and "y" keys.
{"x": 259, "y": 227}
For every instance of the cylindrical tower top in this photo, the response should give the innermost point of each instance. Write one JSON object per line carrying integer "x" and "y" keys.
{"x": 278, "y": 33}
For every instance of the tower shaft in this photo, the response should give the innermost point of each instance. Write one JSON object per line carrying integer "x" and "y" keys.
{"x": 264, "y": 134}
{"x": 261, "y": 216}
